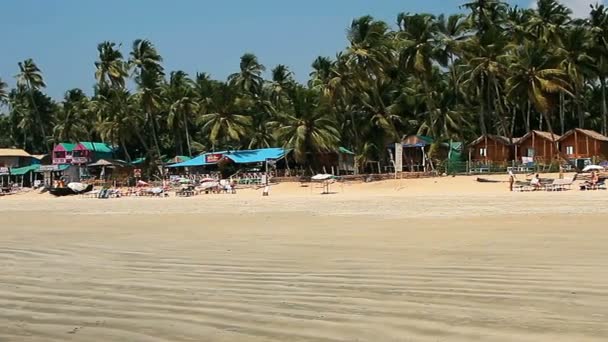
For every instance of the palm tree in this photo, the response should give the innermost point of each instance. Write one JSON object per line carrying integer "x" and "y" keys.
{"x": 30, "y": 77}
{"x": 486, "y": 58}
{"x": 578, "y": 64}
{"x": 146, "y": 63}
{"x": 549, "y": 21}
{"x": 282, "y": 82}
{"x": 418, "y": 49}
{"x": 110, "y": 68}
{"x": 179, "y": 96}
{"x": 3, "y": 92}
{"x": 249, "y": 78}
{"x": 533, "y": 76}
{"x": 223, "y": 121}
{"x": 72, "y": 120}
{"x": 598, "y": 24}
{"x": 307, "y": 129}
{"x": 145, "y": 57}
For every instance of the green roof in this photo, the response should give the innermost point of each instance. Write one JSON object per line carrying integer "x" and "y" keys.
{"x": 97, "y": 147}
{"x": 138, "y": 161}
{"x": 20, "y": 171}
{"x": 178, "y": 159}
{"x": 69, "y": 147}
{"x": 345, "y": 150}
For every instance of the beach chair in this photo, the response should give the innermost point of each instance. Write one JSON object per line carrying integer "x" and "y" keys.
{"x": 520, "y": 186}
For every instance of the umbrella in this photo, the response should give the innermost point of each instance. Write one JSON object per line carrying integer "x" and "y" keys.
{"x": 322, "y": 176}
{"x": 593, "y": 168}
{"x": 184, "y": 180}
{"x": 102, "y": 162}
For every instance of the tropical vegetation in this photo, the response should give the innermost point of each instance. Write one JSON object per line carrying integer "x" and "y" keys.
{"x": 491, "y": 69}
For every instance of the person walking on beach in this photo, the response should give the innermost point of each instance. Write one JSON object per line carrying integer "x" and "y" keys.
{"x": 511, "y": 180}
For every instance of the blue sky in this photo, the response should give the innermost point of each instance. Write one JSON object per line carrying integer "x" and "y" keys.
{"x": 192, "y": 35}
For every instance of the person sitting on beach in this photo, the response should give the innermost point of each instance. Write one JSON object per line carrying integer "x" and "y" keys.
{"x": 535, "y": 182}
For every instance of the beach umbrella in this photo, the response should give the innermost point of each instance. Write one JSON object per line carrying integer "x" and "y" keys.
{"x": 184, "y": 180}
{"x": 322, "y": 177}
{"x": 593, "y": 168}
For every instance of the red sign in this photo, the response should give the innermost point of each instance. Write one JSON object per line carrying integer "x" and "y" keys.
{"x": 213, "y": 157}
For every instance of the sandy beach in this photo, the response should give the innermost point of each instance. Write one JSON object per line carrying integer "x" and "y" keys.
{"x": 443, "y": 259}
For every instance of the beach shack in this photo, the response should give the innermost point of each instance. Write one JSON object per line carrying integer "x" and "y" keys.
{"x": 338, "y": 162}
{"x": 536, "y": 146}
{"x": 62, "y": 153}
{"x": 14, "y": 157}
{"x": 488, "y": 149}
{"x": 90, "y": 152}
{"x": 415, "y": 150}
{"x": 583, "y": 143}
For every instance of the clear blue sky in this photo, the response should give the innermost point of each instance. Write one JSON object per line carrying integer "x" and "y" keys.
{"x": 192, "y": 35}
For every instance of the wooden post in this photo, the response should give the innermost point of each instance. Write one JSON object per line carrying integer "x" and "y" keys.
{"x": 575, "y": 144}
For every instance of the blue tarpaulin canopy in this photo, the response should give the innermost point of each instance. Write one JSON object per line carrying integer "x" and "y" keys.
{"x": 256, "y": 156}
{"x": 198, "y": 161}
{"x": 238, "y": 157}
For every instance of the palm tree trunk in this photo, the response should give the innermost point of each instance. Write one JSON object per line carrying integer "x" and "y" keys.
{"x": 155, "y": 138}
{"x": 604, "y": 109}
{"x": 528, "y": 110}
{"x": 562, "y": 113}
{"x": 579, "y": 110}
{"x": 482, "y": 119}
{"x": 39, "y": 120}
{"x": 124, "y": 148}
{"x": 187, "y": 137}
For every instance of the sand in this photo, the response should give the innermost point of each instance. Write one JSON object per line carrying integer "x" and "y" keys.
{"x": 444, "y": 259}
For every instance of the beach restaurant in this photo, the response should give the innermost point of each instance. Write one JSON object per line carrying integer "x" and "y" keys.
{"x": 81, "y": 153}
{"x": 238, "y": 157}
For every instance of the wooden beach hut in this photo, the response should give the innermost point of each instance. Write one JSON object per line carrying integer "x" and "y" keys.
{"x": 583, "y": 143}
{"x": 490, "y": 148}
{"x": 537, "y": 146}
{"x": 14, "y": 157}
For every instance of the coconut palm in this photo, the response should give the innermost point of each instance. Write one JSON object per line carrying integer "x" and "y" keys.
{"x": 179, "y": 96}
{"x": 30, "y": 77}
{"x": 575, "y": 59}
{"x": 278, "y": 88}
{"x": 110, "y": 68}
{"x": 249, "y": 78}
{"x": 598, "y": 25}
{"x": 307, "y": 129}
{"x": 535, "y": 77}
{"x": 72, "y": 120}
{"x": 223, "y": 121}
{"x": 3, "y": 92}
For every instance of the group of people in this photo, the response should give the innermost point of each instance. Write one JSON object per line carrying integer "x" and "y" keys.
{"x": 537, "y": 184}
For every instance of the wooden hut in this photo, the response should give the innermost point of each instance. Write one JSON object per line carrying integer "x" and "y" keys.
{"x": 538, "y": 146}
{"x": 491, "y": 149}
{"x": 14, "y": 157}
{"x": 583, "y": 143}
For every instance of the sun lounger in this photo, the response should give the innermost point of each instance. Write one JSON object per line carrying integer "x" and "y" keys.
{"x": 560, "y": 184}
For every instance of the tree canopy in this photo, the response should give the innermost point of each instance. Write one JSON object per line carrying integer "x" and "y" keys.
{"x": 492, "y": 69}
